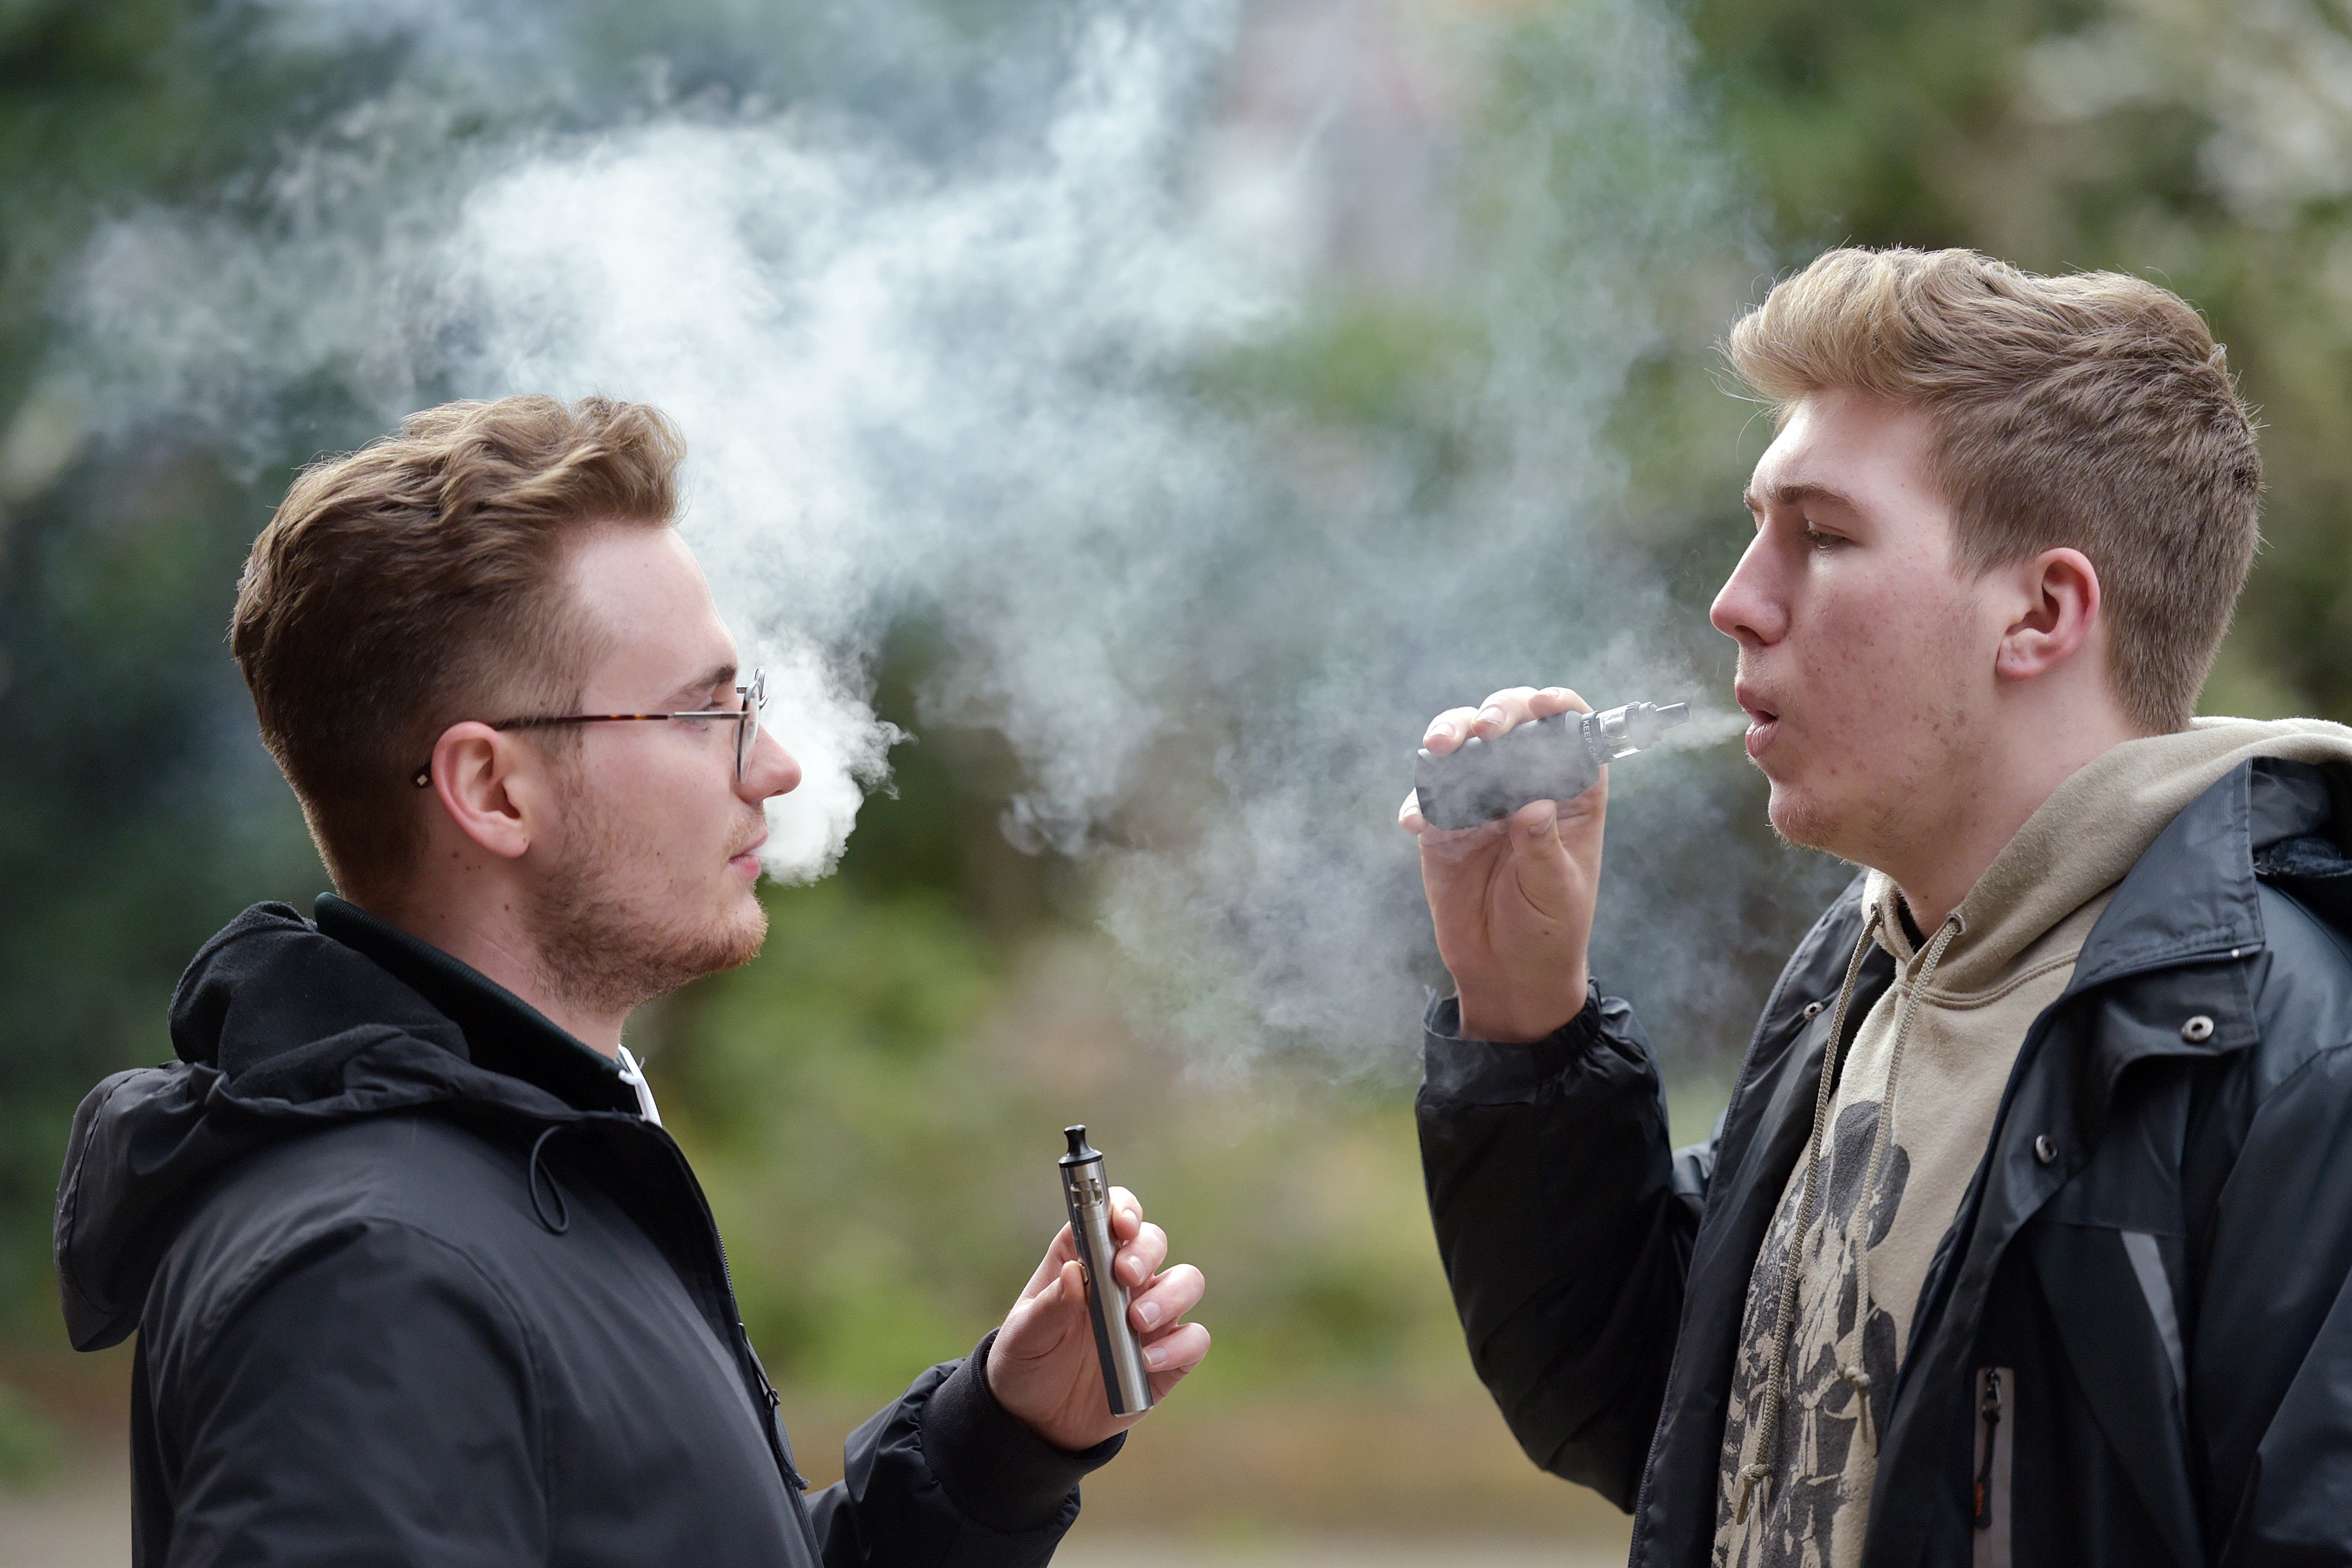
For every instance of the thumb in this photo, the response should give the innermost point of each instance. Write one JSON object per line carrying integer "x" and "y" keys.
{"x": 1032, "y": 1326}
{"x": 1539, "y": 859}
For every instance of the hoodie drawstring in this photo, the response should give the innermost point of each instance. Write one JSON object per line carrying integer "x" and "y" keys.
{"x": 1866, "y": 1206}
{"x": 632, "y": 1073}
{"x": 1755, "y": 1479}
{"x": 561, "y": 1222}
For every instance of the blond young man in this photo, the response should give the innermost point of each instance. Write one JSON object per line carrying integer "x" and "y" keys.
{"x": 2024, "y": 1239}
{"x": 416, "y": 1274}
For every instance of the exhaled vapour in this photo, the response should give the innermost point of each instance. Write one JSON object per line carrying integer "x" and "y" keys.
{"x": 981, "y": 372}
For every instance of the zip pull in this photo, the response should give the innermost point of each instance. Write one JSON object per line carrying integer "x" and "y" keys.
{"x": 775, "y": 1401}
{"x": 1989, "y": 1414}
{"x": 634, "y": 1075}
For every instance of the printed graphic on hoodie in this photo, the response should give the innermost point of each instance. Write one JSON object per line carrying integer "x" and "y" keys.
{"x": 1937, "y": 1047}
{"x": 1824, "y": 1456}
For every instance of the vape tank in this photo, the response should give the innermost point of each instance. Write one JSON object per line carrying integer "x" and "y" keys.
{"x": 1555, "y": 758}
{"x": 1087, "y": 1191}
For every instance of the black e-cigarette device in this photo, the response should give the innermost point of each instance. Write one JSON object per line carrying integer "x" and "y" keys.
{"x": 1087, "y": 1191}
{"x": 1555, "y": 758}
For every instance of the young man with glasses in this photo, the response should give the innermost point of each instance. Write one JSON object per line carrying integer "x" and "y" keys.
{"x": 416, "y": 1275}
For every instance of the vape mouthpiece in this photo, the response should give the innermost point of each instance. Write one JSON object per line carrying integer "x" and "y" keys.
{"x": 1085, "y": 1190}
{"x": 1555, "y": 758}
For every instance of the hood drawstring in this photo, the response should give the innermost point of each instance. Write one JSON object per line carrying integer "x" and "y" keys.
{"x": 632, "y": 1073}
{"x": 1883, "y": 1135}
{"x": 560, "y": 1220}
{"x": 1756, "y": 1478}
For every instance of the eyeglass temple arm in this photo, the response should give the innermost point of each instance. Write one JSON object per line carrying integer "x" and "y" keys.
{"x": 422, "y": 777}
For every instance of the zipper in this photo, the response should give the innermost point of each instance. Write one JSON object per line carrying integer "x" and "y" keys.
{"x": 1993, "y": 1506}
{"x": 747, "y": 1358}
{"x": 775, "y": 1411}
{"x": 1988, "y": 1433}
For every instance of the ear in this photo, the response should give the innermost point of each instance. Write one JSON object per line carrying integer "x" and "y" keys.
{"x": 2057, "y": 611}
{"x": 492, "y": 787}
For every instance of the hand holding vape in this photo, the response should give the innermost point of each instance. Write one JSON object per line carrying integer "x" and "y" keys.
{"x": 1086, "y": 1191}
{"x": 1554, "y": 759}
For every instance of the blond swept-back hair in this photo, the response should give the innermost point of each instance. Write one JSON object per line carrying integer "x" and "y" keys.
{"x": 2092, "y": 411}
{"x": 417, "y": 582}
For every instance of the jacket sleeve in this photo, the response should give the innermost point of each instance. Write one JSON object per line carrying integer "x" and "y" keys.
{"x": 1565, "y": 1224}
{"x": 298, "y": 1438}
{"x": 946, "y": 1476}
{"x": 2271, "y": 1349}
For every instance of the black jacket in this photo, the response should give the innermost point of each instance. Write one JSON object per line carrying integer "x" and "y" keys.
{"x": 416, "y": 1283}
{"x": 2153, "y": 1255}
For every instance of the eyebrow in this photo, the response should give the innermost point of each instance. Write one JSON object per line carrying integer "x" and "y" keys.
{"x": 718, "y": 675}
{"x": 1797, "y": 495}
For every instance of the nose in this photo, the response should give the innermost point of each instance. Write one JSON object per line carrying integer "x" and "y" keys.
{"x": 772, "y": 770}
{"x": 1751, "y": 608}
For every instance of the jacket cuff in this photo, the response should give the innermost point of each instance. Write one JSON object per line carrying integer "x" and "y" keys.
{"x": 996, "y": 1470}
{"x": 1458, "y": 1067}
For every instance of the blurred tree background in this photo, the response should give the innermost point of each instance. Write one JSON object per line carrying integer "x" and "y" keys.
{"x": 873, "y": 1102}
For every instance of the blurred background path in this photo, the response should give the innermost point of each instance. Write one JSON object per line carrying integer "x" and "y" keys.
{"x": 81, "y": 1522}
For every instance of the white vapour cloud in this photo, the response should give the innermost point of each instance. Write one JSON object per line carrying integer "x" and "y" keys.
{"x": 968, "y": 388}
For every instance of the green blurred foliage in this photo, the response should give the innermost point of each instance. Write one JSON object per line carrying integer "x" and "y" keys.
{"x": 874, "y": 1103}
{"x": 30, "y": 1448}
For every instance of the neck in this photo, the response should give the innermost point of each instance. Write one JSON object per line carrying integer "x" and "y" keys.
{"x": 1941, "y": 860}
{"x": 498, "y": 950}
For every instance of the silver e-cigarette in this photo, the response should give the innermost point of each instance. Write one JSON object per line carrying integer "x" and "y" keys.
{"x": 1087, "y": 1191}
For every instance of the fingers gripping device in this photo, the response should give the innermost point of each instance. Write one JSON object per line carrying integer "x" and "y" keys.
{"x": 1555, "y": 758}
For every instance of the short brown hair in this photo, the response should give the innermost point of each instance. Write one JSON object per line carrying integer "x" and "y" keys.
{"x": 414, "y": 583}
{"x": 2092, "y": 411}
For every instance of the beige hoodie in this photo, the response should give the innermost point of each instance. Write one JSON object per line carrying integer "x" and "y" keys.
{"x": 1929, "y": 1063}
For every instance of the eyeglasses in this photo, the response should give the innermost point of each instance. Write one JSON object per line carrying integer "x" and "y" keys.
{"x": 747, "y": 725}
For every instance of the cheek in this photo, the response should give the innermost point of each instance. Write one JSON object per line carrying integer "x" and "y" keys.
{"x": 659, "y": 823}
{"x": 1853, "y": 657}
{"x": 1901, "y": 646}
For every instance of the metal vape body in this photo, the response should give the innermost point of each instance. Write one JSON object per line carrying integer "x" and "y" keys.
{"x": 1087, "y": 1191}
{"x": 1555, "y": 758}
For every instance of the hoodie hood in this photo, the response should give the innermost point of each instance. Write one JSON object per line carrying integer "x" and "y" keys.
{"x": 2086, "y": 838}
{"x": 279, "y": 1029}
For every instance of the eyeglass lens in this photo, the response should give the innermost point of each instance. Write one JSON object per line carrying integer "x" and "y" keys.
{"x": 747, "y": 728}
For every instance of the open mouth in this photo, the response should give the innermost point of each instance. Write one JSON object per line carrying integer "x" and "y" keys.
{"x": 1763, "y": 721}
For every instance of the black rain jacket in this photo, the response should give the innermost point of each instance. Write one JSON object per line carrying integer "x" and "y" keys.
{"x": 2142, "y": 1303}
{"x": 414, "y": 1283}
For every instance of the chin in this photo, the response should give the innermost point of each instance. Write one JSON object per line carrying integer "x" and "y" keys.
{"x": 746, "y": 930}
{"x": 1801, "y": 819}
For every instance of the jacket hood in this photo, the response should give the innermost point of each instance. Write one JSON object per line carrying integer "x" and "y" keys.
{"x": 2089, "y": 834}
{"x": 280, "y": 1029}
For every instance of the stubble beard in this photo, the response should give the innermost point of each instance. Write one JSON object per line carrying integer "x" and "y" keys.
{"x": 1864, "y": 831}
{"x": 602, "y": 949}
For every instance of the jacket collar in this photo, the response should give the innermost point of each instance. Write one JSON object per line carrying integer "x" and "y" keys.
{"x": 2195, "y": 895}
{"x": 2192, "y": 906}
{"x": 503, "y": 1032}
